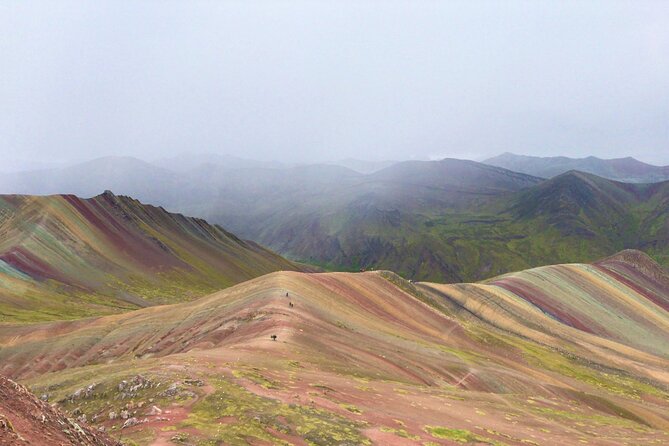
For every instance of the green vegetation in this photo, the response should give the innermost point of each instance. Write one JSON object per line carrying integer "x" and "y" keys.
{"x": 460, "y": 435}
{"x": 400, "y": 433}
{"x": 249, "y": 416}
{"x": 351, "y": 408}
{"x": 444, "y": 235}
{"x": 255, "y": 374}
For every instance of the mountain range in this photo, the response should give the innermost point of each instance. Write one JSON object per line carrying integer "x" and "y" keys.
{"x": 448, "y": 220}
{"x": 628, "y": 170}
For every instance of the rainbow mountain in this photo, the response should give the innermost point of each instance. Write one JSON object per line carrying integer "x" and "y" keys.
{"x": 64, "y": 257}
{"x": 561, "y": 354}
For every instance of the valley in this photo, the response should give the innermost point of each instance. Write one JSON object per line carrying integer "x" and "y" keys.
{"x": 445, "y": 221}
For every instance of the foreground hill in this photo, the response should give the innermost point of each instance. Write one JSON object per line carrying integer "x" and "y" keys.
{"x": 628, "y": 169}
{"x": 369, "y": 358}
{"x": 26, "y": 420}
{"x": 65, "y": 257}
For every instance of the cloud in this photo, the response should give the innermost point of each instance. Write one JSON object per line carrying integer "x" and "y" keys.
{"x": 314, "y": 80}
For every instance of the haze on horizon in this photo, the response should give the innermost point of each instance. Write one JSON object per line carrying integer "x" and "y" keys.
{"x": 317, "y": 81}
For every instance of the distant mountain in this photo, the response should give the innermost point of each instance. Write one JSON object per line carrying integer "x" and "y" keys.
{"x": 454, "y": 175}
{"x": 364, "y": 221}
{"x": 363, "y": 166}
{"x": 64, "y": 257}
{"x": 191, "y": 161}
{"x": 458, "y": 221}
{"x": 126, "y": 175}
{"x": 627, "y": 169}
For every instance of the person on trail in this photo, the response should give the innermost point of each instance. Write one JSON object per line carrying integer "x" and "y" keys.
{"x": 286, "y": 294}
{"x": 290, "y": 304}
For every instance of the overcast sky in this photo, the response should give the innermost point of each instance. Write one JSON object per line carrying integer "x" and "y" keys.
{"x": 317, "y": 80}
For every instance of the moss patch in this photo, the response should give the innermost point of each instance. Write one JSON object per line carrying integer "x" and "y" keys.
{"x": 248, "y": 416}
{"x": 460, "y": 435}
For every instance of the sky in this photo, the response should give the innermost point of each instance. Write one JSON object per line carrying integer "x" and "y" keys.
{"x": 323, "y": 80}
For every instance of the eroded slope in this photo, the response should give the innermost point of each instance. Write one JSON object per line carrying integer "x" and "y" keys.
{"x": 26, "y": 420}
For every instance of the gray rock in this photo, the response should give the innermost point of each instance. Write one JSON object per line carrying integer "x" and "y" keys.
{"x": 130, "y": 422}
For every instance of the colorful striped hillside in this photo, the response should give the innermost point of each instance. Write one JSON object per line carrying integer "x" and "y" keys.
{"x": 614, "y": 304}
{"x": 564, "y": 354}
{"x": 63, "y": 257}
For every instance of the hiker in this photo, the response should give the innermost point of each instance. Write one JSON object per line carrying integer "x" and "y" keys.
{"x": 290, "y": 304}
{"x": 286, "y": 294}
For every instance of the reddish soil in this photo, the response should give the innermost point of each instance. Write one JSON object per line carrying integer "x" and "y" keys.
{"x": 26, "y": 420}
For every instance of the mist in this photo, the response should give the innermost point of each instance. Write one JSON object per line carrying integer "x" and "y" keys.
{"x": 302, "y": 82}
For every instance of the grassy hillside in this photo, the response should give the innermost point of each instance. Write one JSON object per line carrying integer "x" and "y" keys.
{"x": 369, "y": 358}
{"x": 574, "y": 217}
{"x": 63, "y": 257}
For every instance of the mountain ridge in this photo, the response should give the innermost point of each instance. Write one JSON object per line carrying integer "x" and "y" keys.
{"x": 111, "y": 253}
{"x": 627, "y": 169}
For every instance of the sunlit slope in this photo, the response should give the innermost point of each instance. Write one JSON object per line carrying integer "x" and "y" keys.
{"x": 64, "y": 257}
{"x": 369, "y": 358}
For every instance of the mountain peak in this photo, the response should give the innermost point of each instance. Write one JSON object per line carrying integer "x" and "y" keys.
{"x": 636, "y": 259}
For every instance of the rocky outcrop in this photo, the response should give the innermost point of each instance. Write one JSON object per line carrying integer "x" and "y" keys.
{"x": 27, "y": 420}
